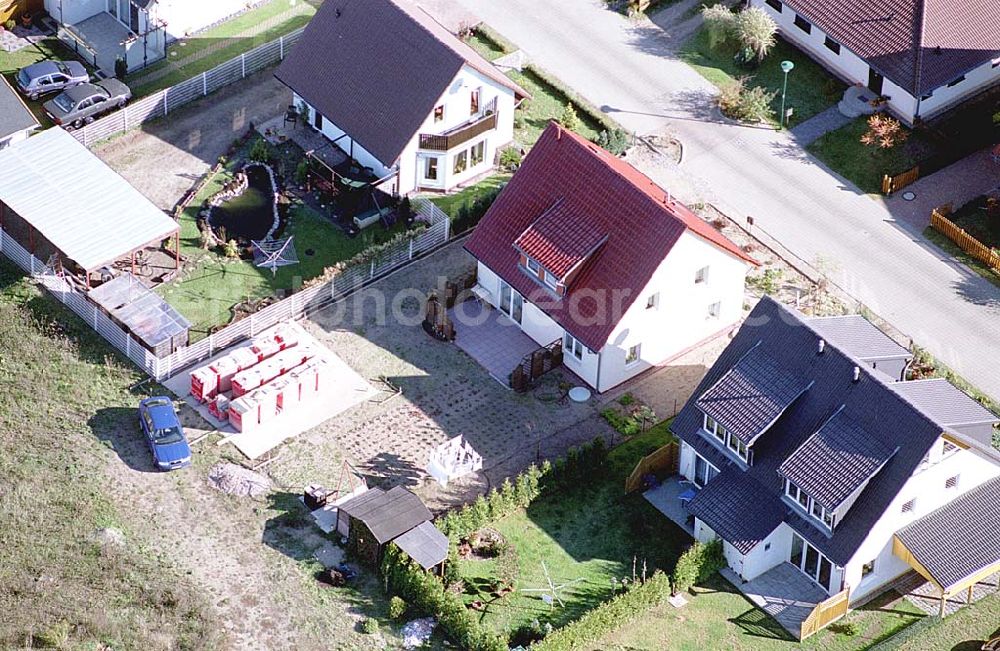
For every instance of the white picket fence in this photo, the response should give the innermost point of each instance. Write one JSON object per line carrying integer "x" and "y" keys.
{"x": 296, "y": 306}
{"x": 161, "y": 103}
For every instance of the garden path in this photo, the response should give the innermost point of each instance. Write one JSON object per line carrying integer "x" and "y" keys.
{"x": 818, "y": 125}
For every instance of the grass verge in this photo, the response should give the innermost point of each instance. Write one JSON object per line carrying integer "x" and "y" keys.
{"x": 59, "y": 588}
{"x": 450, "y": 203}
{"x": 811, "y": 89}
{"x": 966, "y": 629}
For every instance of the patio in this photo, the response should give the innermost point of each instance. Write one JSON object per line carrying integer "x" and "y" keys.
{"x": 105, "y": 35}
{"x": 666, "y": 499}
{"x": 783, "y": 592}
{"x": 490, "y": 338}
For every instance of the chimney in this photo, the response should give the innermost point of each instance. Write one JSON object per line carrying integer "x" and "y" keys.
{"x": 857, "y": 374}
{"x": 822, "y": 346}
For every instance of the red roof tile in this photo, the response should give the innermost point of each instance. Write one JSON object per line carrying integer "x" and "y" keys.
{"x": 607, "y": 196}
{"x": 558, "y": 240}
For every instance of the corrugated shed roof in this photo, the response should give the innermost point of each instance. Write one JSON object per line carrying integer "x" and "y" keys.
{"x": 14, "y": 115}
{"x": 858, "y": 336}
{"x": 142, "y": 310}
{"x": 870, "y": 403}
{"x": 76, "y": 202}
{"x": 960, "y": 538}
{"x": 835, "y": 461}
{"x": 945, "y": 402}
{"x": 752, "y": 395}
{"x": 611, "y": 197}
{"x": 376, "y": 69}
{"x": 425, "y": 544}
{"x": 387, "y": 514}
{"x": 918, "y": 44}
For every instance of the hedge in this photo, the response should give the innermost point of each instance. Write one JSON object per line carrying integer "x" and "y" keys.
{"x": 606, "y": 121}
{"x": 609, "y": 616}
{"x": 427, "y": 596}
{"x": 698, "y": 563}
{"x": 496, "y": 37}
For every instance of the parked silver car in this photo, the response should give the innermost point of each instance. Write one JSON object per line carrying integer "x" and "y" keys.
{"x": 79, "y": 105}
{"x": 50, "y": 76}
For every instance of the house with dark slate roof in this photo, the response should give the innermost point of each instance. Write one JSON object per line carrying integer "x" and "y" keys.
{"x": 805, "y": 456}
{"x": 400, "y": 94}
{"x": 583, "y": 249}
{"x": 16, "y": 120}
{"x": 923, "y": 56}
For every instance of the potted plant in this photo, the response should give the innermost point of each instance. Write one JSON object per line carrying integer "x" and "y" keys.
{"x": 26, "y": 19}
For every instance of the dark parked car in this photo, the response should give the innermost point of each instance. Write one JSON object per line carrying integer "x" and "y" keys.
{"x": 164, "y": 433}
{"x": 79, "y": 105}
{"x": 50, "y": 76}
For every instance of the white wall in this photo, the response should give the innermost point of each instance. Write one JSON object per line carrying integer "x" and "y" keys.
{"x": 333, "y": 132}
{"x": 975, "y": 81}
{"x": 145, "y": 50}
{"x": 74, "y": 11}
{"x": 927, "y": 486}
{"x": 681, "y": 318}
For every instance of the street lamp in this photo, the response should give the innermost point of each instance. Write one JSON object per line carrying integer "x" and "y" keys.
{"x": 786, "y": 67}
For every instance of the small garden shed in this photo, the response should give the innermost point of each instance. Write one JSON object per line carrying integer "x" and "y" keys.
{"x": 377, "y": 517}
{"x": 159, "y": 327}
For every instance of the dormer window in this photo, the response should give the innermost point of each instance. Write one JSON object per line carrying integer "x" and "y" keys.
{"x": 727, "y": 438}
{"x": 550, "y": 280}
{"x": 532, "y": 265}
{"x": 809, "y": 505}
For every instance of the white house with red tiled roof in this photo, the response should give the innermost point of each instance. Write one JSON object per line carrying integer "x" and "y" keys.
{"x": 582, "y": 248}
{"x": 922, "y": 56}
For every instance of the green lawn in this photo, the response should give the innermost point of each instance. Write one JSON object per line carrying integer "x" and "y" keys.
{"x": 11, "y": 62}
{"x": 485, "y": 46}
{"x": 719, "y": 617}
{"x": 205, "y": 50}
{"x": 59, "y": 382}
{"x": 811, "y": 89}
{"x": 864, "y": 166}
{"x": 450, "y": 203}
{"x": 966, "y": 630}
{"x": 547, "y": 103}
{"x": 211, "y": 285}
{"x": 592, "y": 533}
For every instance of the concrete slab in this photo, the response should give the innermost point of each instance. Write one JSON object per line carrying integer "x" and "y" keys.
{"x": 343, "y": 390}
{"x": 490, "y": 338}
{"x": 783, "y": 592}
{"x": 665, "y": 498}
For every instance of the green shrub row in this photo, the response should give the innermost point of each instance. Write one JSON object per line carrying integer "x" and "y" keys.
{"x": 609, "y": 616}
{"x": 470, "y": 212}
{"x": 498, "y": 39}
{"x": 631, "y": 423}
{"x": 427, "y": 596}
{"x": 698, "y": 563}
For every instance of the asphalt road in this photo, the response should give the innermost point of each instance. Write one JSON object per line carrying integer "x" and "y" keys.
{"x": 629, "y": 69}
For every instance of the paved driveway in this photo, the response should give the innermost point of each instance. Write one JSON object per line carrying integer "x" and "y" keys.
{"x": 165, "y": 158}
{"x": 630, "y": 70}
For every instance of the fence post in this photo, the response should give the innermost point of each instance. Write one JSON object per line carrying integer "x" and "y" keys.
{"x": 211, "y": 345}
{"x": 95, "y": 320}
{"x": 447, "y": 228}
{"x": 281, "y": 47}
{"x": 251, "y": 325}
{"x": 128, "y": 345}
{"x": 204, "y": 84}
{"x": 411, "y": 248}
{"x": 164, "y": 103}
{"x": 372, "y": 274}
{"x": 86, "y": 130}
{"x": 243, "y": 63}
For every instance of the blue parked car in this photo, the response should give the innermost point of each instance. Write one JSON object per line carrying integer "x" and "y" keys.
{"x": 164, "y": 433}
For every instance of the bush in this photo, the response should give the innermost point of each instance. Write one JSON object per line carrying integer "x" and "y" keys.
{"x": 231, "y": 250}
{"x": 746, "y": 104}
{"x": 848, "y": 629}
{"x": 10, "y": 24}
{"x": 720, "y": 25}
{"x": 302, "y": 172}
{"x": 609, "y": 616}
{"x": 615, "y": 141}
{"x": 397, "y": 608}
{"x": 260, "y": 151}
{"x": 469, "y": 213}
{"x": 369, "y": 626}
{"x": 756, "y": 32}
{"x": 510, "y": 159}
{"x": 513, "y": 495}
{"x": 121, "y": 68}
{"x": 697, "y": 564}
{"x": 569, "y": 119}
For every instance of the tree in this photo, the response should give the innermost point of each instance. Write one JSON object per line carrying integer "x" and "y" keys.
{"x": 756, "y": 31}
{"x": 569, "y": 119}
{"x": 884, "y": 132}
{"x": 720, "y": 25}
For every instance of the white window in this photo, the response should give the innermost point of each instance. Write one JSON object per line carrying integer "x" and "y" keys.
{"x": 632, "y": 356}
{"x": 653, "y": 302}
{"x": 572, "y": 345}
{"x": 474, "y": 101}
{"x": 476, "y": 153}
{"x": 704, "y": 472}
{"x": 714, "y": 310}
{"x": 431, "y": 168}
{"x": 808, "y": 504}
{"x": 867, "y": 568}
{"x": 951, "y": 482}
{"x": 551, "y": 280}
{"x": 909, "y": 506}
{"x": 709, "y": 424}
{"x": 701, "y": 276}
{"x": 438, "y": 113}
{"x": 461, "y": 162}
{"x": 738, "y": 446}
{"x": 533, "y": 265}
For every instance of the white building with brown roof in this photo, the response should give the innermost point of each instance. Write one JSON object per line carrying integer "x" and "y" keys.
{"x": 922, "y": 56}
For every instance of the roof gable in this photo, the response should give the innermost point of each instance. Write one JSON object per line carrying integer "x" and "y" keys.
{"x": 376, "y": 69}
{"x": 606, "y": 196}
{"x": 558, "y": 240}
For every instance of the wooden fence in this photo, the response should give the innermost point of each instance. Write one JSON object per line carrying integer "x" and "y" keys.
{"x": 891, "y": 184}
{"x": 969, "y": 244}
{"x": 666, "y": 460}
{"x": 825, "y": 613}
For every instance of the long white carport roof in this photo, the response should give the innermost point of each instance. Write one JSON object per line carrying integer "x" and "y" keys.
{"x": 76, "y": 202}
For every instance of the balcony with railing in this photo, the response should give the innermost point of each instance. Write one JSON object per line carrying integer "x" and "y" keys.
{"x": 485, "y": 120}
